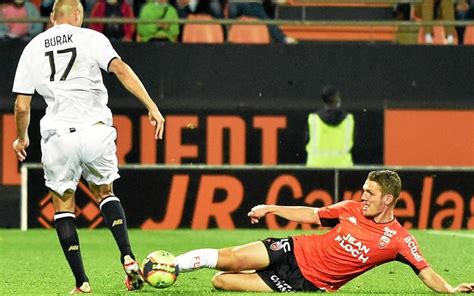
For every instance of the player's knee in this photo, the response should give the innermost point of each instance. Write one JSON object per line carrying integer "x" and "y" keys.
{"x": 218, "y": 281}
{"x": 101, "y": 191}
{"x": 229, "y": 260}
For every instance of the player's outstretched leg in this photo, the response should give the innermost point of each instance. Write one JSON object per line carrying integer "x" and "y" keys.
{"x": 114, "y": 218}
{"x": 247, "y": 257}
{"x": 240, "y": 281}
{"x": 239, "y": 263}
{"x": 196, "y": 259}
{"x": 65, "y": 223}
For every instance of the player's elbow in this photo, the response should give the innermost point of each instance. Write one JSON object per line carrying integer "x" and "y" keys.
{"x": 21, "y": 107}
{"x": 315, "y": 217}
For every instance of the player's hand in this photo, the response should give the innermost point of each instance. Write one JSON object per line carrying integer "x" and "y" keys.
{"x": 20, "y": 148}
{"x": 464, "y": 288}
{"x": 257, "y": 212}
{"x": 158, "y": 121}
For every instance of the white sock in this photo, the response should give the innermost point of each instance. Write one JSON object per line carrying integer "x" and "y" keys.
{"x": 197, "y": 259}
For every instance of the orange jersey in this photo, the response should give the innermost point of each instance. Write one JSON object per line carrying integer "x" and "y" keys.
{"x": 355, "y": 244}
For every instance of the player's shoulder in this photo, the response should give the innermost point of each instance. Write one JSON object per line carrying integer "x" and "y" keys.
{"x": 399, "y": 231}
{"x": 398, "y": 226}
{"x": 87, "y": 35}
{"x": 350, "y": 204}
{"x": 402, "y": 231}
{"x": 37, "y": 40}
{"x": 89, "y": 31}
{"x": 32, "y": 46}
{"x": 93, "y": 34}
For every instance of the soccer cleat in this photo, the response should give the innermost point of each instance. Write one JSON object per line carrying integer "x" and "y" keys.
{"x": 84, "y": 288}
{"x": 176, "y": 269}
{"x": 134, "y": 279}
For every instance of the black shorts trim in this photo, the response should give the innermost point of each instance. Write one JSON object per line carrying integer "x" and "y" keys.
{"x": 283, "y": 273}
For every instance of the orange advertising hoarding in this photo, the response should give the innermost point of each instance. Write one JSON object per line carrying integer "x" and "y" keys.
{"x": 429, "y": 137}
{"x": 203, "y": 197}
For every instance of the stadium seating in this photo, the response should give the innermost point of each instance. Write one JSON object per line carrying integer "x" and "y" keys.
{"x": 202, "y": 33}
{"x": 469, "y": 35}
{"x": 439, "y": 36}
{"x": 335, "y": 11}
{"x": 307, "y": 3}
{"x": 249, "y": 34}
{"x": 341, "y": 33}
{"x": 306, "y": 10}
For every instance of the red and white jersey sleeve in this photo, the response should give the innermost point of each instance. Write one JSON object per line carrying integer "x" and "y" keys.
{"x": 355, "y": 245}
{"x": 329, "y": 216}
{"x": 63, "y": 65}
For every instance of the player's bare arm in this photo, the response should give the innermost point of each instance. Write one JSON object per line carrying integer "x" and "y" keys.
{"x": 22, "y": 118}
{"x": 437, "y": 283}
{"x": 132, "y": 83}
{"x": 291, "y": 213}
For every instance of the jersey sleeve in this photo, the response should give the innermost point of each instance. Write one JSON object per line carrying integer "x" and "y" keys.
{"x": 409, "y": 253}
{"x": 329, "y": 216}
{"x": 104, "y": 51}
{"x": 24, "y": 80}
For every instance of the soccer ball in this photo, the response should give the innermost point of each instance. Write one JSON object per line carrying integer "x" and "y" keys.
{"x": 159, "y": 269}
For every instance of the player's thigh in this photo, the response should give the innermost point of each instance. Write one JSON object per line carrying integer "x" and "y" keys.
{"x": 101, "y": 191}
{"x": 64, "y": 203}
{"x": 240, "y": 281}
{"x": 61, "y": 162}
{"x": 246, "y": 257}
{"x": 99, "y": 159}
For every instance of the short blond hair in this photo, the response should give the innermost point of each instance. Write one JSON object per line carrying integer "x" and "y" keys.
{"x": 62, "y": 8}
{"x": 388, "y": 180}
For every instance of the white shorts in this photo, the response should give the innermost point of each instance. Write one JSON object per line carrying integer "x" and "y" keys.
{"x": 89, "y": 152}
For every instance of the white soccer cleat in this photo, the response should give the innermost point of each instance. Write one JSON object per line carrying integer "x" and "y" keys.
{"x": 84, "y": 288}
{"x": 134, "y": 279}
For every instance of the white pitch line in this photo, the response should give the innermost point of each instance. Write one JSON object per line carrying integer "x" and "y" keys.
{"x": 450, "y": 233}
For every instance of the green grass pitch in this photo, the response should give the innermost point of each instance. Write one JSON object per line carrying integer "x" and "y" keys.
{"x": 32, "y": 262}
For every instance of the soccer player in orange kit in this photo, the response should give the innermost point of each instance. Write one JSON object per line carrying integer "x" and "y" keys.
{"x": 364, "y": 235}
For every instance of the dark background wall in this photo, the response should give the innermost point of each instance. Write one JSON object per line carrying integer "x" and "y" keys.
{"x": 279, "y": 77}
{"x": 276, "y": 80}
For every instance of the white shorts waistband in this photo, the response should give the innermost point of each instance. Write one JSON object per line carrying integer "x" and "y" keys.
{"x": 65, "y": 130}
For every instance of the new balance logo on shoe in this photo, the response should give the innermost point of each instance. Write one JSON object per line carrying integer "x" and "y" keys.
{"x": 117, "y": 222}
{"x": 73, "y": 248}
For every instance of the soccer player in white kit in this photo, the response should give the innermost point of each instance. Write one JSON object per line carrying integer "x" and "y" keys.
{"x": 77, "y": 138}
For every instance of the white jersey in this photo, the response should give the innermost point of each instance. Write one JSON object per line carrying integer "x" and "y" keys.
{"x": 63, "y": 65}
